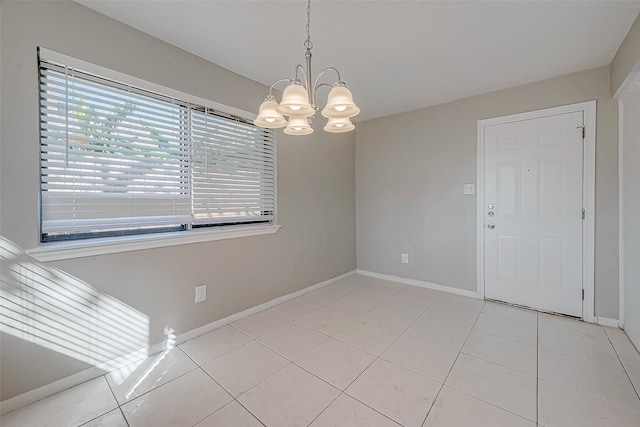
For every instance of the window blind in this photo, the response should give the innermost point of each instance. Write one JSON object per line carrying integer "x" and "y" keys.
{"x": 232, "y": 170}
{"x": 116, "y": 158}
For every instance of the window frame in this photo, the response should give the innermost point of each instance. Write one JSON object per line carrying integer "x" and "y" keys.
{"x": 65, "y": 249}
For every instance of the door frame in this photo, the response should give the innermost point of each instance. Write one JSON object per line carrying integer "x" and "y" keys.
{"x": 588, "y": 190}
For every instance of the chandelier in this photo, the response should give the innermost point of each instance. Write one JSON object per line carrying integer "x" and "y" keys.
{"x": 299, "y": 100}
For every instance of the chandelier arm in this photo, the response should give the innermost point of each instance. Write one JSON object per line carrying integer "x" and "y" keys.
{"x": 324, "y": 71}
{"x": 275, "y": 83}
{"x": 304, "y": 72}
{"x": 318, "y": 86}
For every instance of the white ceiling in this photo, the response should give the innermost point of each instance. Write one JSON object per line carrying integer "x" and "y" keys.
{"x": 395, "y": 56}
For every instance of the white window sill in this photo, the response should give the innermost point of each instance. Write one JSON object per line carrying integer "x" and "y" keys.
{"x": 84, "y": 248}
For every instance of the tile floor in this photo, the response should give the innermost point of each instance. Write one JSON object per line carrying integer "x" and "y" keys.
{"x": 367, "y": 352}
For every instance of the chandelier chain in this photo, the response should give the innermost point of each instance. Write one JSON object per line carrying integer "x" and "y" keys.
{"x": 308, "y": 44}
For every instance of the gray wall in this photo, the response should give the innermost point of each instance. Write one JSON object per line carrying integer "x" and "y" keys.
{"x": 626, "y": 58}
{"x": 631, "y": 213}
{"x": 625, "y": 78}
{"x": 316, "y": 190}
{"x": 410, "y": 169}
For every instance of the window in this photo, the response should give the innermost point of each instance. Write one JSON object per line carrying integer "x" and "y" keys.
{"x": 117, "y": 160}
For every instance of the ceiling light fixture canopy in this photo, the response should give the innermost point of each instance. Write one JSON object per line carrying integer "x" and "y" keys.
{"x": 299, "y": 100}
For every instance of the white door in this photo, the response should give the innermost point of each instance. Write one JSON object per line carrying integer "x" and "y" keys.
{"x": 533, "y": 212}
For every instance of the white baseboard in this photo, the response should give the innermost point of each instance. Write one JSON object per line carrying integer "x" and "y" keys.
{"x": 40, "y": 393}
{"x": 65, "y": 383}
{"x": 420, "y": 283}
{"x": 605, "y": 321}
{"x": 186, "y": 336}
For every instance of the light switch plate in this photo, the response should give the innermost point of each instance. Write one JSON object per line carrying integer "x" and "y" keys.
{"x": 404, "y": 258}
{"x": 469, "y": 189}
{"x": 201, "y": 293}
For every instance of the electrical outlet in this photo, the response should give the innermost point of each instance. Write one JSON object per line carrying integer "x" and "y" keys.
{"x": 201, "y": 293}
{"x": 404, "y": 258}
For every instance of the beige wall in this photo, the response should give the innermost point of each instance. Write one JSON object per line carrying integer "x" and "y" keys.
{"x": 627, "y": 57}
{"x": 631, "y": 212}
{"x": 316, "y": 190}
{"x": 625, "y": 83}
{"x": 410, "y": 169}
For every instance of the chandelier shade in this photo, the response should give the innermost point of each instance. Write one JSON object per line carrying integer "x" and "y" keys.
{"x": 299, "y": 99}
{"x": 339, "y": 125}
{"x": 268, "y": 117}
{"x": 298, "y": 126}
{"x": 340, "y": 104}
{"x": 295, "y": 102}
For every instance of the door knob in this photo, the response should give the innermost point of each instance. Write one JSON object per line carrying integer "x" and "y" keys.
{"x": 491, "y": 226}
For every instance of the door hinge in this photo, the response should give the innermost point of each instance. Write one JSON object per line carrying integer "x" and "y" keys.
{"x": 582, "y": 213}
{"x": 583, "y": 295}
{"x": 584, "y": 131}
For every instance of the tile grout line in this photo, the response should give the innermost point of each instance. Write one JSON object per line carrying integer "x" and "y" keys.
{"x": 116, "y": 400}
{"x": 599, "y": 365}
{"x": 233, "y": 397}
{"x": 249, "y": 411}
{"x": 573, "y": 356}
{"x": 256, "y": 384}
{"x": 212, "y": 379}
{"x": 622, "y": 364}
{"x": 347, "y": 386}
{"x": 530, "y": 310}
{"x": 120, "y": 405}
{"x": 123, "y": 416}
{"x": 161, "y": 385}
{"x": 511, "y": 318}
{"x": 475, "y": 397}
{"x": 221, "y": 355}
{"x": 575, "y": 335}
{"x": 376, "y": 357}
{"x": 618, "y": 405}
{"x": 291, "y": 362}
{"x": 491, "y": 404}
{"x": 508, "y": 339}
{"x": 327, "y": 407}
{"x": 252, "y": 339}
{"x": 227, "y": 404}
{"x": 453, "y": 364}
{"x": 493, "y": 363}
{"x": 497, "y": 363}
{"x": 365, "y": 404}
{"x": 118, "y": 408}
